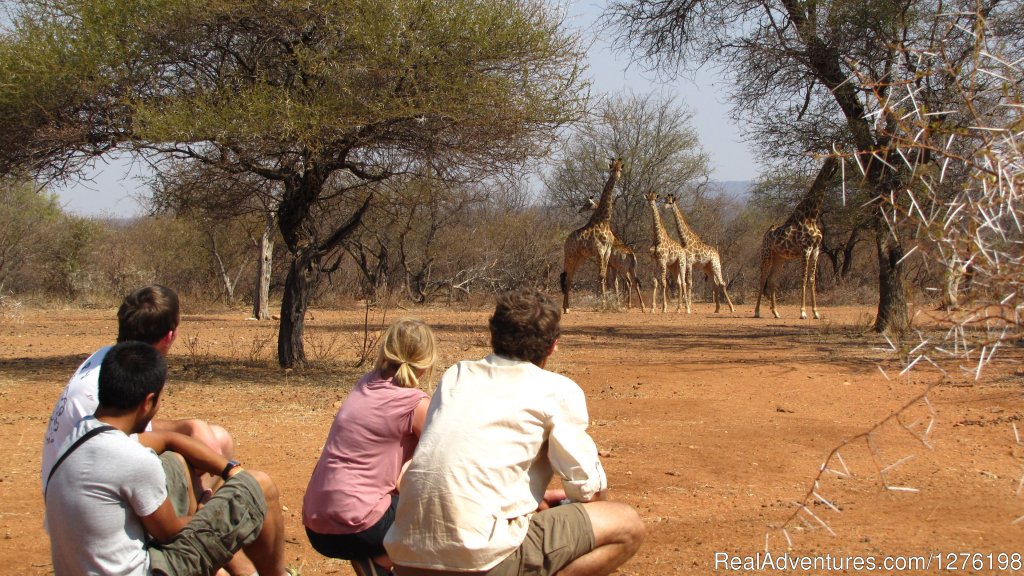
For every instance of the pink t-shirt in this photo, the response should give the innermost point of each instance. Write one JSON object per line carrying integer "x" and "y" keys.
{"x": 370, "y": 439}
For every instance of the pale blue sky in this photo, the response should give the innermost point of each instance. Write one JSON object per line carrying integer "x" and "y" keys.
{"x": 112, "y": 185}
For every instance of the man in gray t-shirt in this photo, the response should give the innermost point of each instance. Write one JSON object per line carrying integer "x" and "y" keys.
{"x": 106, "y": 498}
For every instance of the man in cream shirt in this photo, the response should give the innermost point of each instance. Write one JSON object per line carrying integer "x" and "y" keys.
{"x": 475, "y": 497}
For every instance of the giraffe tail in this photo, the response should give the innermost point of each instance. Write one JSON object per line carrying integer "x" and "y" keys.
{"x": 561, "y": 282}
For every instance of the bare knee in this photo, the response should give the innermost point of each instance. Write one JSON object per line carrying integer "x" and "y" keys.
{"x": 266, "y": 484}
{"x": 224, "y": 440}
{"x": 616, "y": 523}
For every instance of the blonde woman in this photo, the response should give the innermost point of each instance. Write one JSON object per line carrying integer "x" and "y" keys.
{"x": 351, "y": 499}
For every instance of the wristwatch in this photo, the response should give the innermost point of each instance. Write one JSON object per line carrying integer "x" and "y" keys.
{"x": 232, "y": 464}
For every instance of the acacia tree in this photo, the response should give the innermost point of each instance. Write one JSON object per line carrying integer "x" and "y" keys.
{"x": 321, "y": 97}
{"x": 805, "y": 77}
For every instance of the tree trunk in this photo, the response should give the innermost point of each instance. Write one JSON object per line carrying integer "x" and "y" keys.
{"x": 892, "y": 314}
{"x": 298, "y": 287}
{"x": 851, "y": 243}
{"x": 261, "y": 300}
{"x": 305, "y": 269}
{"x": 229, "y": 286}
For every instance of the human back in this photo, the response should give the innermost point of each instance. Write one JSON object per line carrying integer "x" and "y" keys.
{"x": 526, "y": 424}
{"x": 475, "y": 497}
{"x": 370, "y": 438}
{"x": 353, "y": 492}
{"x": 87, "y": 495}
{"x": 148, "y": 315}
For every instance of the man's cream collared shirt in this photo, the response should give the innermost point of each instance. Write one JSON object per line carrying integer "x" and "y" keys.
{"x": 496, "y": 431}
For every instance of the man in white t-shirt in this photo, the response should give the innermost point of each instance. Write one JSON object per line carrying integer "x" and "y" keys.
{"x": 150, "y": 314}
{"x": 475, "y": 497}
{"x": 107, "y": 504}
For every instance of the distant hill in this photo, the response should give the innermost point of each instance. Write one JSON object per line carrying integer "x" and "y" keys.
{"x": 735, "y": 189}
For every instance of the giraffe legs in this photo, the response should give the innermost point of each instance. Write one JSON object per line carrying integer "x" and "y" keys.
{"x": 603, "y": 273}
{"x": 634, "y": 281}
{"x": 716, "y": 268}
{"x": 613, "y": 281}
{"x": 772, "y": 274}
{"x": 660, "y": 278}
{"x": 686, "y": 274}
{"x": 680, "y": 273}
{"x": 762, "y": 285}
{"x": 566, "y": 280}
{"x": 728, "y": 300}
{"x": 767, "y": 284}
{"x": 810, "y": 274}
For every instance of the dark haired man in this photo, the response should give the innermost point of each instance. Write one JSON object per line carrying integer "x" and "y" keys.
{"x": 108, "y": 493}
{"x": 150, "y": 314}
{"x": 475, "y": 498}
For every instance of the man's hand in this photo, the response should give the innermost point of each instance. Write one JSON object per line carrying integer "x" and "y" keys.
{"x": 551, "y": 499}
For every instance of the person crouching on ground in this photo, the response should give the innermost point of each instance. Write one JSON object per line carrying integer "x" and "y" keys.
{"x": 109, "y": 504}
{"x": 351, "y": 498}
{"x": 475, "y": 498}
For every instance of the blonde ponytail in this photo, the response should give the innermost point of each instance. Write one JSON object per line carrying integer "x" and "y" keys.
{"x": 408, "y": 345}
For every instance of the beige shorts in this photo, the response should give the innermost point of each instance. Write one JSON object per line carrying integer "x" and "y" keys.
{"x": 229, "y": 521}
{"x": 556, "y": 537}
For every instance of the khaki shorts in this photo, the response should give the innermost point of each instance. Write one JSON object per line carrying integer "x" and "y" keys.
{"x": 177, "y": 482}
{"x": 556, "y": 537}
{"x": 229, "y": 521}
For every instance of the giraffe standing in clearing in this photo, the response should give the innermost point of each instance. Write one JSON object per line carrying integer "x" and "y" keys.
{"x": 798, "y": 237}
{"x": 622, "y": 264}
{"x": 702, "y": 255}
{"x": 668, "y": 255}
{"x": 595, "y": 238}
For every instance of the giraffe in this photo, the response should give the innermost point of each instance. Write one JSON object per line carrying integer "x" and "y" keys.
{"x": 668, "y": 255}
{"x": 595, "y": 238}
{"x": 702, "y": 255}
{"x": 797, "y": 237}
{"x": 621, "y": 264}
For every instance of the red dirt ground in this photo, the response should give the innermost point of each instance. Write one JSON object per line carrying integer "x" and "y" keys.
{"x": 712, "y": 426}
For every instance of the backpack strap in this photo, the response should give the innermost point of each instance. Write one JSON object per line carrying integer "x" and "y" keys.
{"x": 71, "y": 449}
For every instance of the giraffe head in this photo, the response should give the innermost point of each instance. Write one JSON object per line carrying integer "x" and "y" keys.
{"x": 652, "y": 197}
{"x": 670, "y": 200}
{"x": 615, "y": 166}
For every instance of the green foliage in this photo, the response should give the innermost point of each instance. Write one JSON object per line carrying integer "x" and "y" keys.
{"x": 284, "y": 77}
{"x": 27, "y": 221}
{"x": 66, "y": 272}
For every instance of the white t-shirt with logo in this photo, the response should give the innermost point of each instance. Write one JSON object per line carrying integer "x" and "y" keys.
{"x": 78, "y": 400}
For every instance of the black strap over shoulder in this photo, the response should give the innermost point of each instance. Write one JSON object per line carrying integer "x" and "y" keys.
{"x": 71, "y": 449}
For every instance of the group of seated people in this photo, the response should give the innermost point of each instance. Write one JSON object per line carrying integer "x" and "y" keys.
{"x": 456, "y": 483}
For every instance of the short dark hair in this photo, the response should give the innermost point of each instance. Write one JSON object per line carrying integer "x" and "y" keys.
{"x": 525, "y": 325}
{"x": 148, "y": 314}
{"x": 129, "y": 372}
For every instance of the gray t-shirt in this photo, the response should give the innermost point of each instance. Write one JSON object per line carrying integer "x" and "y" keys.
{"x": 95, "y": 502}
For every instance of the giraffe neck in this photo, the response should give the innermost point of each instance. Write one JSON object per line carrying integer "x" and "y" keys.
{"x": 810, "y": 205}
{"x": 681, "y": 226}
{"x": 603, "y": 213}
{"x": 659, "y": 227}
